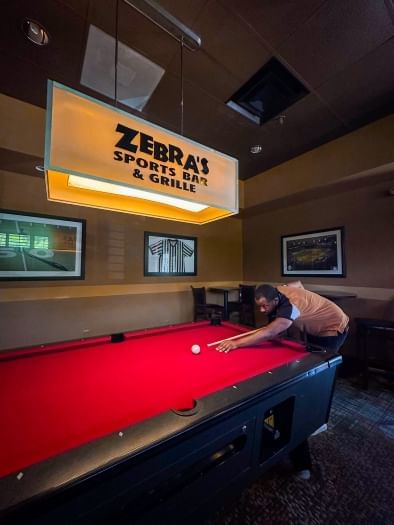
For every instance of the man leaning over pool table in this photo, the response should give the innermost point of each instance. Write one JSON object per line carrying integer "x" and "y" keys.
{"x": 323, "y": 322}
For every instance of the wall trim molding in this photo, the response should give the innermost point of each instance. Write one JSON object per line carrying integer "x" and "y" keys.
{"x": 361, "y": 292}
{"x": 74, "y": 292}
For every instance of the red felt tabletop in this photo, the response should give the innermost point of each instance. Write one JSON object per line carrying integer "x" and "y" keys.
{"x": 55, "y": 398}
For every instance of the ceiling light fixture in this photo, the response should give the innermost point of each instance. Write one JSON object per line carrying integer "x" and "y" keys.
{"x": 281, "y": 119}
{"x": 35, "y": 32}
{"x": 257, "y": 148}
{"x": 40, "y": 167}
{"x": 167, "y": 22}
{"x": 98, "y": 169}
{"x": 118, "y": 189}
{"x": 100, "y": 172}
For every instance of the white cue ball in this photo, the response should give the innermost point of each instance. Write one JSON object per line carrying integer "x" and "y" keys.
{"x": 196, "y": 349}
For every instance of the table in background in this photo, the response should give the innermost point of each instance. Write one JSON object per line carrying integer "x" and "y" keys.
{"x": 225, "y": 291}
{"x": 136, "y": 428}
{"x": 380, "y": 331}
{"x": 335, "y": 296}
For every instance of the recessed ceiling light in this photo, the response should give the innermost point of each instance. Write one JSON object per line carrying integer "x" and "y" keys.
{"x": 35, "y": 32}
{"x": 280, "y": 119}
{"x": 257, "y": 148}
{"x": 39, "y": 167}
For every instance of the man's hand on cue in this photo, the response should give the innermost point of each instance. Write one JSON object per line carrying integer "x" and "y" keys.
{"x": 227, "y": 346}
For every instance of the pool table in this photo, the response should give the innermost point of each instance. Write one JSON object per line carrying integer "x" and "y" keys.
{"x": 135, "y": 428}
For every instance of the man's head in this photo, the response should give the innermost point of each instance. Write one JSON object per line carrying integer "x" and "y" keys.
{"x": 266, "y": 297}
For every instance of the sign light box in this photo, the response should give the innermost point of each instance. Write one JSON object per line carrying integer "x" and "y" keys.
{"x": 97, "y": 155}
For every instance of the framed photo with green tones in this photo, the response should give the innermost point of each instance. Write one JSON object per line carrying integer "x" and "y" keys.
{"x": 40, "y": 247}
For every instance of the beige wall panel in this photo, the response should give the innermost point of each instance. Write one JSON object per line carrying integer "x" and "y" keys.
{"x": 366, "y": 149}
{"x": 367, "y": 215}
{"x": 32, "y": 323}
{"x": 115, "y": 241}
{"x": 114, "y": 261}
{"x": 229, "y": 251}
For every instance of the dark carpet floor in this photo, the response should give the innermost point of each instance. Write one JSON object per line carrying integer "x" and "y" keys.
{"x": 353, "y": 470}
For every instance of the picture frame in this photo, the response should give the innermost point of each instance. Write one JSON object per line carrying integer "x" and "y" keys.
{"x": 168, "y": 255}
{"x": 41, "y": 247}
{"x": 315, "y": 253}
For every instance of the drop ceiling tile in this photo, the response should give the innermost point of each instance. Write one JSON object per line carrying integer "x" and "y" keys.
{"x": 135, "y": 77}
{"x": 309, "y": 117}
{"x": 13, "y": 83}
{"x": 79, "y": 6}
{"x": 134, "y": 30}
{"x": 203, "y": 121}
{"x": 364, "y": 88}
{"x": 62, "y": 56}
{"x": 308, "y": 124}
{"x": 200, "y": 69}
{"x": 229, "y": 41}
{"x": 342, "y": 47}
{"x": 339, "y": 34}
{"x": 197, "y": 117}
{"x": 273, "y": 20}
{"x": 164, "y": 106}
{"x": 186, "y": 12}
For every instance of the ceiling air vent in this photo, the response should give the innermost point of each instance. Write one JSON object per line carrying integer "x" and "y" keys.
{"x": 269, "y": 92}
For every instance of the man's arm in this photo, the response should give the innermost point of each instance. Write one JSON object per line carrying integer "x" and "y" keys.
{"x": 273, "y": 329}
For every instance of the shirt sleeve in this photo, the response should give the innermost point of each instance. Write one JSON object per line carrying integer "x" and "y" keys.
{"x": 285, "y": 309}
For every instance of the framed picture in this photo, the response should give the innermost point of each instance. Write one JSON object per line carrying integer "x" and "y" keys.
{"x": 37, "y": 247}
{"x": 167, "y": 255}
{"x": 317, "y": 253}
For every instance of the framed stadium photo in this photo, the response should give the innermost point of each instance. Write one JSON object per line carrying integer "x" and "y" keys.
{"x": 40, "y": 247}
{"x": 169, "y": 255}
{"x": 319, "y": 253}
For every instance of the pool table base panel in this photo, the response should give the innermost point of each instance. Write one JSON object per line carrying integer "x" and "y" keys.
{"x": 185, "y": 475}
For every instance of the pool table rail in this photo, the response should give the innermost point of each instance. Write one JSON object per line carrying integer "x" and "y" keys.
{"x": 44, "y": 487}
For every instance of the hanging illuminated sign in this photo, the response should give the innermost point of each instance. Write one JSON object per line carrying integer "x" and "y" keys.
{"x": 97, "y": 155}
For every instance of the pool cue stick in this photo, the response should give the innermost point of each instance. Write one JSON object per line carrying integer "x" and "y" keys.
{"x": 234, "y": 337}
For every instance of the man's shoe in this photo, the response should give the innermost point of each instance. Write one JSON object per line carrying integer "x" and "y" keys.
{"x": 303, "y": 474}
{"x": 321, "y": 429}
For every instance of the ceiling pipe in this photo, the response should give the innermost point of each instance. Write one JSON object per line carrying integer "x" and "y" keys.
{"x": 167, "y": 22}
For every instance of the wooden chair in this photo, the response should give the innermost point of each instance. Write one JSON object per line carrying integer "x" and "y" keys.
{"x": 247, "y": 305}
{"x": 375, "y": 342}
{"x": 202, "y": 309}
